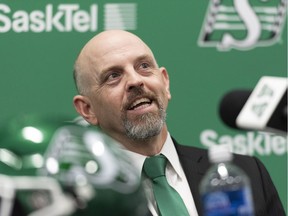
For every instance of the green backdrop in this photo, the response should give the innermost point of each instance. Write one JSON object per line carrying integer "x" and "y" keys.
{"x": 39, "y": 41}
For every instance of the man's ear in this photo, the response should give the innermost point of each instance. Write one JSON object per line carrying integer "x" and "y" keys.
{"x": 83, "y": 107}
{"x": 167, "y": 82}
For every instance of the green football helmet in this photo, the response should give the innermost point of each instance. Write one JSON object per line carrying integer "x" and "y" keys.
{"x": 52, "y": 166}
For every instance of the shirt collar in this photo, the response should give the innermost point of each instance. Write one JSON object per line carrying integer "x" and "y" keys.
{"x": 170, "y": 153}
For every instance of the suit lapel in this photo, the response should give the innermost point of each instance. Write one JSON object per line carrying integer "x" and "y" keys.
{"x": 195, "y": 163}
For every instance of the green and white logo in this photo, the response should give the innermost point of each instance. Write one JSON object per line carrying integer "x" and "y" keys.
{"x": 242, "y": 24}
{"x": 120, "y": 16}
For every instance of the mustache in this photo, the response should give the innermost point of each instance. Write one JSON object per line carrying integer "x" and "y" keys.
{"x": 136, "y": 93}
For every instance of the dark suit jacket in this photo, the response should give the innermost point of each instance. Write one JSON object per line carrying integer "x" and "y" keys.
{"x": 195, "y": 163}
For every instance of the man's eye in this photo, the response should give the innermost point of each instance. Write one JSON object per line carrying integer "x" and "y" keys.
{"x": 144, "y": 65}
{"x": 113, "y": 76}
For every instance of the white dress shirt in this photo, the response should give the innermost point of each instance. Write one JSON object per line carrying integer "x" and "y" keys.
{"x": 174, "y": 174}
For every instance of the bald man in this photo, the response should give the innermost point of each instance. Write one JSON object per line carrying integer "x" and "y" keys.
{"x": 124, "y": 92}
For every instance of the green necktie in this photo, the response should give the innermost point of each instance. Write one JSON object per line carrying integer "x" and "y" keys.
{"x": 168, "y": 200}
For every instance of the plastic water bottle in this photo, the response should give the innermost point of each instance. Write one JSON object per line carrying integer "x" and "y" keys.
{"x": 225, "y": 188}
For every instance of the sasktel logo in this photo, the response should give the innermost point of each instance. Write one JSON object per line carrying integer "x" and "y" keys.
{"x": 242, "y": 24}
{"x": 68, "y": 18}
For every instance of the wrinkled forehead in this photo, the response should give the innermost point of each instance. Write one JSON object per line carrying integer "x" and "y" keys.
{"x": 108, "y": 41}
{"x": 104, "y": 46}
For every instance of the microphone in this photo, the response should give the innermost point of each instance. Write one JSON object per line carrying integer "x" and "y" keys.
{"x": 264, "y": 108}
{"x": 231, "y": 105}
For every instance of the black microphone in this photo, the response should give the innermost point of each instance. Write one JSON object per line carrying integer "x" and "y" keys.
{"x": 264, "y": 108}
{"x": 231, "y": 105}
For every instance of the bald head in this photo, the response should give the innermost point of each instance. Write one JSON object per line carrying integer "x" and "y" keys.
{"x": 96, "y": 49}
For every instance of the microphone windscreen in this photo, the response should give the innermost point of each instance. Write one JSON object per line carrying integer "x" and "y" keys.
{"x": 231, "y": 105}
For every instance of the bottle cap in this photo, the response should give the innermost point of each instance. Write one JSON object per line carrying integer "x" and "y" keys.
{"x": 220, "y": 153}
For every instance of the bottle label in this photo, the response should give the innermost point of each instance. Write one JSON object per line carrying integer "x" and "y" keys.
{"x": 236, "y": 202}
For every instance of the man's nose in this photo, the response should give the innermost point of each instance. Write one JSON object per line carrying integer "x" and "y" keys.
{"x": 134, "y": 80}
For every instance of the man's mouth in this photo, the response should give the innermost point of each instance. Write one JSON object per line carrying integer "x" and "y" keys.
{"x": 140, "y": 103}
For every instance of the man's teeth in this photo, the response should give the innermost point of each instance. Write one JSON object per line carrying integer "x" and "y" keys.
{"x": 139, "y": 102}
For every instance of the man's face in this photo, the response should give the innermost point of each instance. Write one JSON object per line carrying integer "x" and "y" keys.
{"x": 129, "y": 93}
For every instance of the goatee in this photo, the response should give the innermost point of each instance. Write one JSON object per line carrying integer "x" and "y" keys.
{"x": 146, "y": 125}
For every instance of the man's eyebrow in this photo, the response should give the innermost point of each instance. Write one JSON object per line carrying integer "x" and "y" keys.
{"x": 119, "y": 68}
{"x": 145, "y": 57}
{"x": 111, "y": 68}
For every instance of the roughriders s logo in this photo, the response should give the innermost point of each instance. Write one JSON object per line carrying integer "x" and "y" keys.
{"x": 242, "y": 24}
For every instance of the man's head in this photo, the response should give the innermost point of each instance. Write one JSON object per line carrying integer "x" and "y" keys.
{"x": 121, "y": 88}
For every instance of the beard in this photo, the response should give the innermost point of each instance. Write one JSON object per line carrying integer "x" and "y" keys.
{"x": 147, "y": 125}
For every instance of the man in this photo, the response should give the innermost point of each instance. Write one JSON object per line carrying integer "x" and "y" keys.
{"x": 124, "y": 91}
